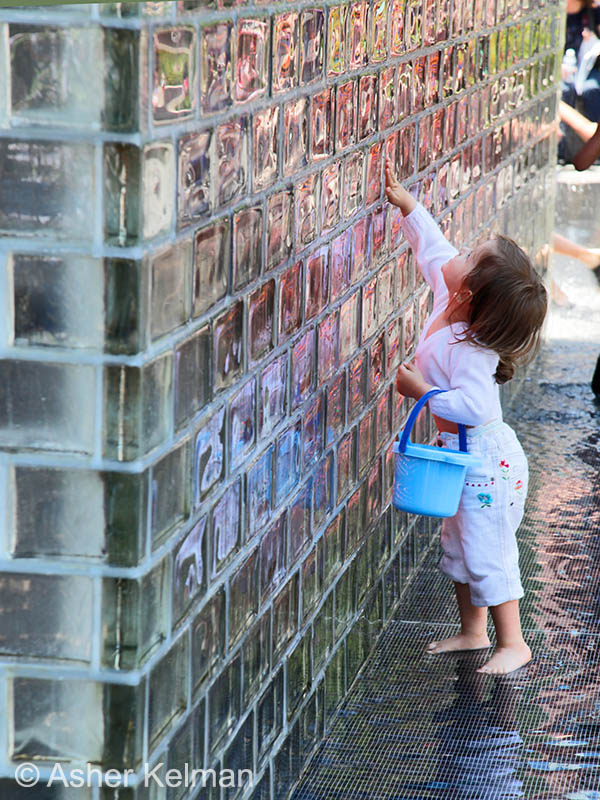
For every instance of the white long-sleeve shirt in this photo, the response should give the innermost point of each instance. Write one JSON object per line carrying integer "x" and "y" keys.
{"x": 465, "y": 370}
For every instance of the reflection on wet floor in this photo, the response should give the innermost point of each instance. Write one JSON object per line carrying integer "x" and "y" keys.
{"x": 420, "y": 726}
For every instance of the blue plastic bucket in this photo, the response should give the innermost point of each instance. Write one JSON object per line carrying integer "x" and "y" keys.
{"x": 429, "y": 480}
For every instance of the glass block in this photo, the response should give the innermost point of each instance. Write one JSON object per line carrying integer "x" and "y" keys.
{"x": 243, "y": 597}
{"x": 387, "y": 98}
{"x": 376, "y": 366}
{"x": 174, "y": 74}
{"x": 242, "y": 421}
{"x": 340, "y": 262}
{"x": 396, "y": 233}
{"x": 295, "y": 135}
{"x": 378, "y": 231}
{"x": 279, "y": 227}
{"x": 365, "y": 449}
{"x": 259, "y": 492}
{"x": 424, "y": 137}
{"x": 189, "y": 569}
{"x": 290, "y": 301}
{"x": 309, "y": 584}
{"x": 194, "y": 199}
{"x": 336, "y": 408}
{"x": 405, "y": 281}
{"x": 406, "y": 151}
{"x": 414, "y": 24}
{"x": 418, "y": 84}
{"x": 330, "y": 196}
{"x": 260, "y": 320}
{"x": 209, "y": 454}
{"x": 251, "y": 58}
{"x": 285, "y": 52}
{"x": 226, "y": 517}
{"x": 216, "y": 67}
{"x": 299, "y": 522}
{"x": 313, "y": 431}
{"x": 307, "y": 210}
{"x": 312, "y": 21}
{"x": 34, "y": 629}
{"x": 385, "y": 293}
{"x": 369, "y": 308}
{"x": 158, "y": 189}
{"x": 247, "y": 245}
{"x": 357, "y": 35}
{"x": 41, "y": 406}
{"x": 322, "y": 122}
{"x": 328, "y": 347}
{"x": 404, "y": 95}
{"x": 346, "y": 465}
{"x": 76, "y": 720}
{"x": 359, "y": 249}
{"x": 167, "y": 698}
{"x": 317, "y": 282}
{"x": 357, "y": 385}
{"x": 227, "y": 343}
{"x": 224, "y": 698}
{"x": 394, "y": 345}
{"x": 208, "y": 637}
{"x": 288, "y": 450}
{"x": 136, "y": 408}
{"x": 374, "y": 168}
{"x": 169, "y": 287}
{"x": 46, "y": 300}
{"x": 232, "y": 160}
{"x": 432, "y": 85}
{"x": 408, "y": 330}
{"x": 336, "y": 40}
{"x": 63, "y": 202}
{"x": 212, "y": 252}
{"x": 47, "y": 69}
{"x": 397, "y": 29}
{"x": 353, "y": 182}
{"x": 285, "y": 616}
{"x": 77, "y": 514}
{"x": 272, "y": 558}
{"x": 367, "y": 109}
{"x": 169, "y": 493}
{"x": 349, "y": 327}
{"x": 379, "y": 31}
{"x": 303, "y": 357}
{"x": 345, "y": 120}
{"x": 265, "y": 159}
{"x": 272, "y": 395}
{"x": 256, "y": 665}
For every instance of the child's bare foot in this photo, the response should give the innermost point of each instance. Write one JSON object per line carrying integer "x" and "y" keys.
{"x": 507, "y": 659}
{"x": 464, "y": 641}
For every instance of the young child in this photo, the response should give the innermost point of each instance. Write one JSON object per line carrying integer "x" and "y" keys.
{"x": 489, "y": 306}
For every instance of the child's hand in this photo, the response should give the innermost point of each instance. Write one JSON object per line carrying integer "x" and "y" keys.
{"x": 396, "y": 193}
{"x": 410, "y": 381}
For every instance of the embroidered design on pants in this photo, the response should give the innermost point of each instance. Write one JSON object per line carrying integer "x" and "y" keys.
{"x": 504, "y": 466}
{"x": 485, "y": 499}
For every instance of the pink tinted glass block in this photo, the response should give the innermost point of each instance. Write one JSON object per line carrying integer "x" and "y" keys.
{"x": 418, "y": 84}
{"x": 228, "y": 355}
{"x": 307, "y": 206}
{"x": 378, "y": 228}
{"x": 396, "y": 235}
{"x": 353, "y": 183}
{"x": 414, "y": 24}
{"x": 429, "y": 23}
{"x": 369, "y": 308}
{"x": 349, "y": 327}
{"x": 265, "y": 148}
{"x": 336, "y": 402}
{"x": 443, "y": 23}
{"x": 216, "y": 67}
{"x": 272, "y": 395}
{"x": 437, "y": 134}
{"x": 387, "y": 98}
{"x": 424, "y": 142}
{"x": 432, "y": 79}
{"x": 359, "y": 249}
{"x": 317, "y": 282}
{"x": 340, "y": 256}
{"x": 322, "y": 120}
{"x": 406, "y": 151}
{"x": 303, "y": 354}
{"x": 231, "y": 162}
{"x": 285, "y": 52}
{"x": 260, "y": 320}
{"x": 295, "y": 135}
{"x": 279, "y": 237}
{"x": 290, "y": 301}
{"x": 247, "y": 245}
{"x": 357, "y": 35}
{"x": 397, "y": 33}
{"x": 194, "y": 190}
{"x": 367, "y": 99}
{"x": 376, "y": 365}
{"x": 385, "y": 292}
{"x": 345, "y": 116}
{"x": 252, "y": 53}
{"x": 447, "y": 74}
{"x": 330, "y": 196}
{"x": 391, "y": 152}
{"x": 394, "y": 344}
{"x": 374, "y": 173}
{"x": 403, "y": 94}
{"x": 312, "y": 23}
{"x": 313, "y": 431}
{"x": 357, "y": 385}
{"x": 379, "y": 31}
{"x": 328, "y": 347}
{"x": 408, "y": 330}
{"x": 242, "y": 415}
{"x": 336, "y": 40}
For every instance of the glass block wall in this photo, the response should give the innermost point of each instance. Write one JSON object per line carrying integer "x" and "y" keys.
{"x": 205, "y": 297}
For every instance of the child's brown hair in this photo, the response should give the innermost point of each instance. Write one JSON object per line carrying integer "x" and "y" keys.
{"x": 508, "y": 305}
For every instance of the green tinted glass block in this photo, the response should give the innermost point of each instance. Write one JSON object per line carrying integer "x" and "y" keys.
{"x": 77, "y": 514}
{"x": 57, "y": 301}
{"x": 192, "y": 375}
{"x": 126, "y": 305}
{"x": 76, "y": 720}
{"x": 47, "y": 189}
{"x": 170, "y": 273}
{"x": 137, "y": 408}
{"x": 168, "y": 690}
{"x": 174, "y": 69}
{"x": 47, "y": 406}
{"x": 39, "y": 618}
{"x": 134, "y": 617}
{"x": 170, "y": 492}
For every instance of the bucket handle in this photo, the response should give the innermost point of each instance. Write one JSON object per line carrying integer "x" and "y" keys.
{"x": 462, "y": 431}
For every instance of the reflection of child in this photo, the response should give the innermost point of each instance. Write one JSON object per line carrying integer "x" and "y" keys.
{"x": 493, "y": 297}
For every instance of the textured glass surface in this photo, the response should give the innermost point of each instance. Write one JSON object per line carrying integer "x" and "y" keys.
{"x": 367, "y": 100}
{"x": 295, "y": 135}
{"x": 265, "y": 154}
{"x": 174, "y": 74}
{"x": 216, "y": 67}
{"x": 226, "y": 517}
{"x": 212, "y": 248}
{"x": 242, "y": 420}
{"x": 192, "y": 375}
{"x": 272, "y": 395}
{"x": 209, "y": 454}
{"x": 227, "y": 346}
{"x": 231, "y": 160}
{"x": 285, "y": 52}
{"x": 345, "y": 125}
{"x": 279, "y": 228}
{"x": 260, "y": 320}
{"x": 168, "y": 690}
{"x": 317, "y": 283}
{"x": 247, "y": 245}
{"x": 169, "y": 493}
{"x": 259, "y": 491}
{"x": 312, "y": 22}
{"x": 322, "y": 122}
{"x": 194, "y": 195}
{"x": 251, "y": 54}
{"x": 170, "y": 292}
{"x": 307, "y": 205}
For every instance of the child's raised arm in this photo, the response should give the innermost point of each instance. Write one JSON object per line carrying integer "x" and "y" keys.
{"x": 430, "y": 246}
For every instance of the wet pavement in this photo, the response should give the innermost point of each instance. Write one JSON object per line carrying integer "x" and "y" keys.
{"x": 419, "y": 726}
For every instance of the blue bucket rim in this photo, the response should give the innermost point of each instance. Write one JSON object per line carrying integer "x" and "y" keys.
{"x": 433, "y": 453}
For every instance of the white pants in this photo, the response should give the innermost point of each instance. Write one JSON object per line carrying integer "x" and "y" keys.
{"x": 479, "y": 542}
